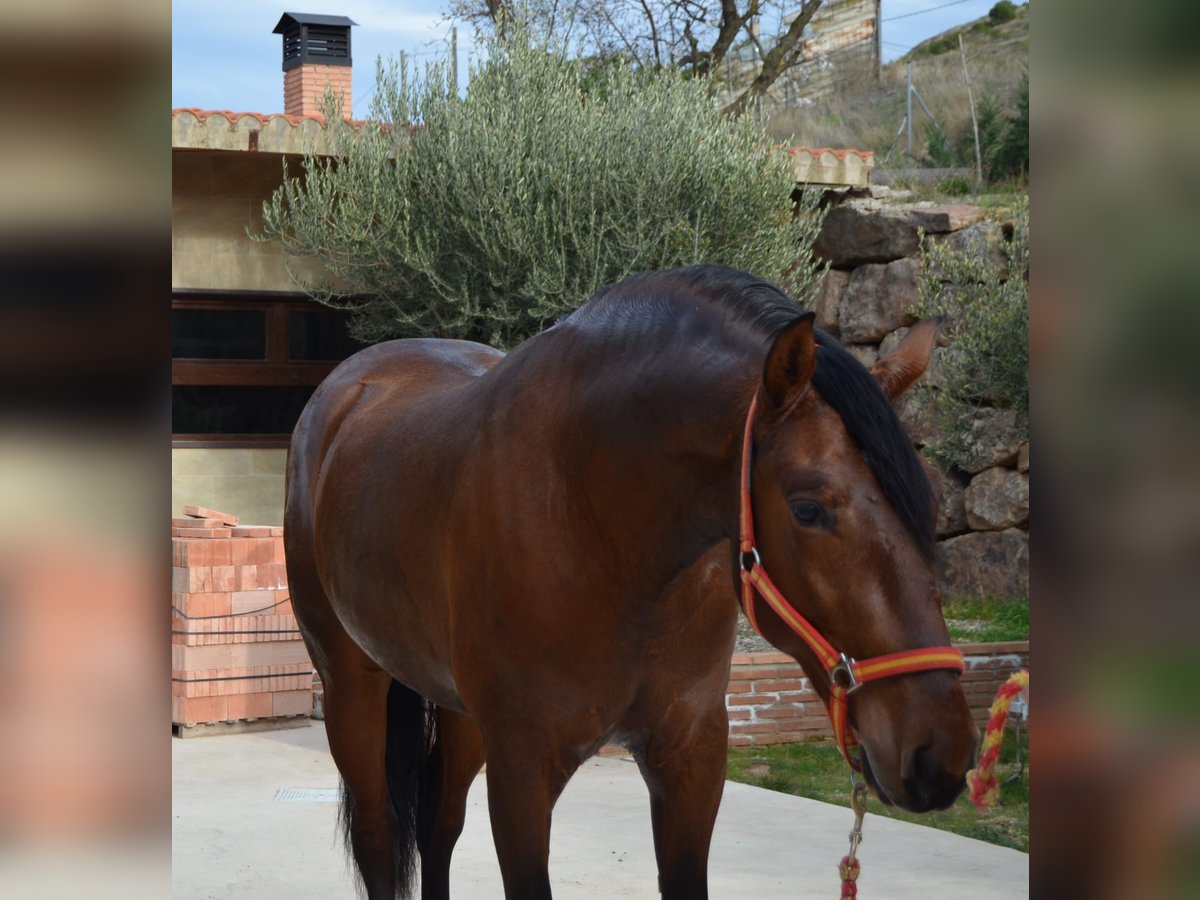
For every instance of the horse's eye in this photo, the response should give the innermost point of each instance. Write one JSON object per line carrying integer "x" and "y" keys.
{"x": 807, "y": 512}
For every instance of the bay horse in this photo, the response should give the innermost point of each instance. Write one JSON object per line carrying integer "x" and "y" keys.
{"x": 517, "y": 559}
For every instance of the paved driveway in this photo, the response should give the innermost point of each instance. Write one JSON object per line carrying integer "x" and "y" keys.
{"x": 234, "y": 839}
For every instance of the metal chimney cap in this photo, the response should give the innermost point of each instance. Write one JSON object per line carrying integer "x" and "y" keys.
{"x": 289, "y": 20}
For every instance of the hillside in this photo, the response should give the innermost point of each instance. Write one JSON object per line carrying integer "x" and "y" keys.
{"x": 868, "y": 116}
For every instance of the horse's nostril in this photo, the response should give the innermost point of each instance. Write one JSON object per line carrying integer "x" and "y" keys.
{"x": 930, "y": 785}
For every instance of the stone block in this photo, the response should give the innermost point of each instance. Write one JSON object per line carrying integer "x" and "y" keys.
{"x": 945, "y": 218}
{"x": 986, "y": 564}
{"x": 833, "y": 286}
{"x": 997, "y": 498}
{"x": 952, "y": 511}
{"x": 877, "y": 301}
{"x": 993, "y": 438}
{"x": 851, "y": 236}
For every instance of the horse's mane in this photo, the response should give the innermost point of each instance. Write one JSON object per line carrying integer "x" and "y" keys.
{"x": 841, "y": 380}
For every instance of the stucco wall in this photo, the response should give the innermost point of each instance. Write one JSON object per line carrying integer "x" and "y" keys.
{"x": 245, "y": 482}
{"x": 214, "y": 198}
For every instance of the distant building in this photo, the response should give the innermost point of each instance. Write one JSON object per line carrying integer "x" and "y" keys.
{"x": 841, "y": 45}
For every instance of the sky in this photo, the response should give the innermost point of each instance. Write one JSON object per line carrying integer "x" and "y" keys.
{"x": 224, "y": 55}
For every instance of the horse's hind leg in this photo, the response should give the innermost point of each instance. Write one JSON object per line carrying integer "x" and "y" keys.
{"x": 361, "y": 708}
{"x": 683, "y": 764}
{"x": 454, "y": 762}
{"x": 356, "y": 711}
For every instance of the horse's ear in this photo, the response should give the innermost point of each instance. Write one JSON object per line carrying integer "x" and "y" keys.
{"x": 790, "y": 361}
{"x": 897, "y": 371}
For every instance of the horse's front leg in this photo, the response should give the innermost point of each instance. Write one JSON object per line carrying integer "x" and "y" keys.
{"x": 527, "y": 769}
{"x": 683, "y": 764}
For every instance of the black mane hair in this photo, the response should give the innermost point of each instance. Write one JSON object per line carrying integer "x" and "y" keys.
{"x": 841, "y": 380}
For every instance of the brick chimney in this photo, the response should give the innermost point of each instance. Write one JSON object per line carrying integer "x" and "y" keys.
{"x": 316, "y": 55}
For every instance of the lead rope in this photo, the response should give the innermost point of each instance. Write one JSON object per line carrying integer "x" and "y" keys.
{"x": 849, "y": 868}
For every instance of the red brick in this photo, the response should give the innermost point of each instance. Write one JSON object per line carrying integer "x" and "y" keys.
{"x": 203, "y": 512}
{"x": 190, "y": 659}
{"x": 194, "y": 710}
{"x": 262, "y": 551}
{"x": 252, "y": 531}
{"x": 270, "y": 653}
{"x": 200, "y": 532}
{"x": 239, "y": 550}
{"x": 277, "y": 531}
{"x": 749, "y": 700}
{"x": 244, "y": 602}
{"x": 203, "y": 603}
{"x": 258, "y": 705}
{"x": 188, "y": 522}
{"x": 738, "y": 714}
{"x": 739, "y": 687}
{"x": 753, "y": 673}
{"x": 781, "y": 711}
{"x": 758, "y": 728}
{"x": 246, "y": 578}
{"x": 223, "y": 578}
{"x": 781, "y": 684}
{"x": 292, "y": 703}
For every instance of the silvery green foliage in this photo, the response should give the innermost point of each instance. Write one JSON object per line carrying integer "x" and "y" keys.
{"x": 987, "y": 363}
{"x": 490, "y": 215}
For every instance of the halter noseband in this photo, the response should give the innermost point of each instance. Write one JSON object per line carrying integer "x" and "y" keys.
{"x": 845, "y": 674}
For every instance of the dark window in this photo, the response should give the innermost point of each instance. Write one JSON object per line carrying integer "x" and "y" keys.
{"x": 243, "y": 368}
{"x": 238, "y": 409}
{"x": 319, "y": 336}
{"x": 219, "y": 333}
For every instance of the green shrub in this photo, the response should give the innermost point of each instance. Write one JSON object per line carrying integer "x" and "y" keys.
{"x": 508, "y": 206}
{"x": 954, "y": 186}
{"x": 987, "y": 363}
{"x": 1003, "y": 11}
{"x": 940, "y": 46}
{"x": 941, "y": 154}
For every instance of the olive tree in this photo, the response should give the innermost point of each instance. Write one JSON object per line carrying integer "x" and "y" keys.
{"x": 487, "y": 215}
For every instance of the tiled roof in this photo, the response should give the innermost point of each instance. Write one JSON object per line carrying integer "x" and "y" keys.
{"x": 232, "y": 116}
{"x": 825, "y": 166}
{"x": 223, "y": 129}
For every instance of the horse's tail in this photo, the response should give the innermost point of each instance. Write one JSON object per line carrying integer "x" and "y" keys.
{"x": 410, "y": 724}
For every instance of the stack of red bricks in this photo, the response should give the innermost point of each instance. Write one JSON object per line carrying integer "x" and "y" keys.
{"x": 770, "y": 701}
{"x": 236, "y": 653}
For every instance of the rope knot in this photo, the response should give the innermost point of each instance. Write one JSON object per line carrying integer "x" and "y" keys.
{"x": 848, "y": 871}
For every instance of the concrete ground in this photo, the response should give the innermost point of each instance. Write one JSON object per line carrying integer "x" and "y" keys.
{"x": 234, "y": 839}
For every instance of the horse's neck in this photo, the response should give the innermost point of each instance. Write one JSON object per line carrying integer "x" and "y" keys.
{"x": 669, "y": 434}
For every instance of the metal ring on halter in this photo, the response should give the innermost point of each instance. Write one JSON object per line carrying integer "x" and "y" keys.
{"x": 750, "y": 559}
{"x": 845, "y": 667}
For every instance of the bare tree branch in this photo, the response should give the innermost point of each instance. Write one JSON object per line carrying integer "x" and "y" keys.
{"x": 776, "y": 61}
{"x": 694, "y": 36}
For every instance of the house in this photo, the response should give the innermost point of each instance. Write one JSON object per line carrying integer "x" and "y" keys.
{"x": 248, "y": 347}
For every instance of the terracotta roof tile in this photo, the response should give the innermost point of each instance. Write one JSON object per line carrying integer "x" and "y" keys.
{"x": 817, "y": 152}
{"x": 232, "y": 116}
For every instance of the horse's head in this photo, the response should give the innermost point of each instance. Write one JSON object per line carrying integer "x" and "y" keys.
{"x": 844, "y": 517}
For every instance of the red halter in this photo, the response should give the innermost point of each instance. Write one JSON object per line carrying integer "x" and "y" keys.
{"x": 845, "y": 674}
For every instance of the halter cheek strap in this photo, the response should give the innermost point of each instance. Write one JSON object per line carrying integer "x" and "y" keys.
{"x": 845, "y": 674}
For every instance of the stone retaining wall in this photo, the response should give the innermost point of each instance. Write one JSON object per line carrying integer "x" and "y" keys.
{"x": 874, "y": 251}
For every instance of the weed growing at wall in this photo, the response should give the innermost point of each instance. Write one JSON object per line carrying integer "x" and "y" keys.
{"x": 490, "y": 215}
{"x": 984, "y": 291}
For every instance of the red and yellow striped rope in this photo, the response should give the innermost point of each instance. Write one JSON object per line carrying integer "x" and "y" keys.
{"x": 982, "y": 783}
